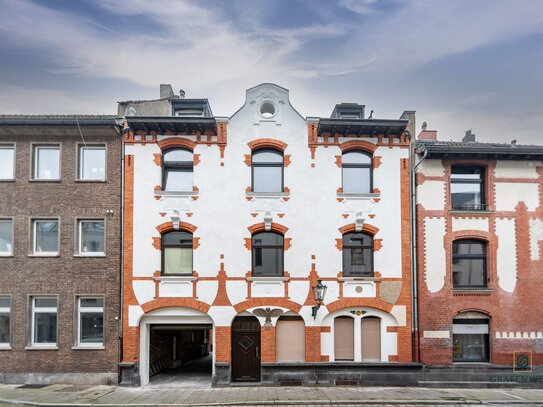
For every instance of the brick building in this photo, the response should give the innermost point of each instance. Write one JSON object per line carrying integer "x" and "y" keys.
{"x": 60, "y": 222}
{"x": 479, "y": 214}
{"x": 230, "y": 222}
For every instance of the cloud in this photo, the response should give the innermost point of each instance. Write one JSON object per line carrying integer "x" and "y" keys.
{"x": 359, "y": 6}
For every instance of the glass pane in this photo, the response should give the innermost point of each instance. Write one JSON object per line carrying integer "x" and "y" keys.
{"x": 356, "y": 180}
{"x": 466, "y": 173}
{"x": 270, "y": 262}
{"x": 177, "y": 260}
{"x": 357, "y": 261}
{"x": 92, "y": 237}
{"x": 92, "y": 327}
{"x": 469, "y": 247}
{"x": 267, "y": 239}
{"x": 6, "y": 232}
{"x": 355, "y": 157}
{"x": 267, "y": 179}
{"x": 4, "y": 302}
{"x": 178, "y": 179}
{"x": 6, "y": 162}
{"x": 466, "y": 196}
{"x": 469, "y": 272}
{"x": 357, "y": 239}
{"x": 470, "y": 347}
{"x": 47, "y": 163}
{"x": 45, "y": 302}
{"x": 267, "y": 156}
{"x": 45, "y": 327}
{"x": 92, "y": 302}
{"x": 178, "y": 155}
{"x": 93, "y": 163}
{"x": 46, "y": 236}
{"x": 4, "y": 327}
{"x": 177, "y": 238}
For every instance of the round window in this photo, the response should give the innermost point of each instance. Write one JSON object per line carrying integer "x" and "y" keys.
{"x": 267, "y": 109}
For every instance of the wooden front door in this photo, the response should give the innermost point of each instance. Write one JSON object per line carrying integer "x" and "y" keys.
{"x": 245, "y": 349}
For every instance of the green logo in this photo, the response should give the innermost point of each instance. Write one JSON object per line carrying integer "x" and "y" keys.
{"x": 522, "y": 361}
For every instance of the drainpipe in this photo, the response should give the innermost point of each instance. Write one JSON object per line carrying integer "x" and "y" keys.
{"x": 414, "y": 278}
{"x": 121, "y": 303}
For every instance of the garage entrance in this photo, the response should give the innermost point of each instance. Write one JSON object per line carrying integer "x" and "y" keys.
{"x": 180, "y": 355}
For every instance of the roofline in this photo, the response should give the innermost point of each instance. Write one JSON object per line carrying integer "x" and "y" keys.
{"x": 59, "y": 121}
{"x": 374, "y": 122}
{"x": 267, "y": 83}
{"x": 499, "y": 151}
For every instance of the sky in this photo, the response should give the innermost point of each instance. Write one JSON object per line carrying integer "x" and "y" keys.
{"x": 461, "y": 64}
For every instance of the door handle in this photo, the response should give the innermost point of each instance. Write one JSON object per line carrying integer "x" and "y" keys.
{"x": 257, "y": 353}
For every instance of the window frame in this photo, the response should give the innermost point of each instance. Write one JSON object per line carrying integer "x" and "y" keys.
{"x": 483, "y": 322}
{"x": 182, "y": 246}
{"x": 34, "y": 252}
{"x": 176, "y": 164}
{"x": 10, "y": 253}
{"x": 11, "y": 146}
{"x": 253, "y": 247}
{"x": 361, "y": 166}
{"x": 481, "y": 182}
{"x": 79, "y": 312}
{"x": 34, "y": 161}
{"x": 483, "y": 257}
{"x": 33, "y": 343}
{"x": 79, "y": 168}
{"x": 267, "y": 165}
{"x": 346, "y": 247}
{"x": 79, "y": 234}
{"x": 7, "y": 310}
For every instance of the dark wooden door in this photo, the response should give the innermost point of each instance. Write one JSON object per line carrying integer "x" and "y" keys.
{"x": 245, "y": 349}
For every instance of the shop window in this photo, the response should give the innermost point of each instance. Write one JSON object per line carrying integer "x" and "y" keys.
{"x": 470, "y": 340}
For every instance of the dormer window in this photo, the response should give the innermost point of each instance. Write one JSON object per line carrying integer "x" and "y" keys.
{"x": 189, "y": 113}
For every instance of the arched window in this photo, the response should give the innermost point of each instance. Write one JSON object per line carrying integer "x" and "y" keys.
{"x": 290, "y": 339}
{"x": 370, "y": 334}
{"x": 357, "y": 255}
{"x": 471, "y": 337}
{"x": 267, "y": 171}
{"x": 356, "y": 172}
{"x": 344, "y": 338}
{"x": 469, "y": 263}
{"x": 177, "y": 170}
{"x": 177, "y": 253}
{"x": 267, "y": 254}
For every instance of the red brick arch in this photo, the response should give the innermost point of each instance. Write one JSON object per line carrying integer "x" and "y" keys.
{"x": 168, "y": 227}
{"x": 176, "y": 142}
{"x": 268, "y": 302}
{"x": 358, "y": 145}
{"x": 176, "y": 302}
{"x": 366, "y": 228}
{"x": 275, "y": 227}
{"x": 267, "y": 143}
{"x": 359, "y": 302}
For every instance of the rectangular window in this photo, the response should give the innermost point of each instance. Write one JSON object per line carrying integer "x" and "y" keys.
{"x": 91, "y": 237}
{"x": 45, "y": 237}
{"x": 6, "y": 237}
{"x": 46, "y": 162}
{"x": 469, "y": 264}
{"x": 7, "y": 162}
{"x": 92, "y": 163}
{"x": 44, "y": 321}
{"x": 5, "y": 314}
{"x": 470, "y": 340}
{"x": 90, "y": 321}
{"x": 467, "y": 188}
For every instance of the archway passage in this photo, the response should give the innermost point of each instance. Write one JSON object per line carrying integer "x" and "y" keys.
{"x": 180, "y": 355}
{"x": 246, "y": 349}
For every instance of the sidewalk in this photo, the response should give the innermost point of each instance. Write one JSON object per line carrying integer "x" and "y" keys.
{"x": 72, "y": 395}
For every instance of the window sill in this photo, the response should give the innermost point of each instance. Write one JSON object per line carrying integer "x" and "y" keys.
{"x": 175, "y": 278}
{"x": 264, "y": 278}
{"x": 36, "y": 347}
{"x": 352, "y": 195}
{"x": 5, "y": 347}
{"x": 90, "y": 255}
{"x": 175, "y": 193}
{"x": 6, "y": 255}
{"x": 100, "y": 181}
{"x": 81, "y": 347}
{"x": 45, "y": 180}
{"x": 470, "y": 212}
{"x": 44, "y": 255}
{"x": 359, "y": 279}
{"x": 472, "y": 291}
{"x": 7, "y": 180}
{"x": 268, "y": 194}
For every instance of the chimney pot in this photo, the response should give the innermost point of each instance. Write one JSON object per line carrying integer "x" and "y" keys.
{"x": 469, "y": 137}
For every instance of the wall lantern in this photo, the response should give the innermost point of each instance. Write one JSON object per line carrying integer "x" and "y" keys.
{"x": 319, "y": 291}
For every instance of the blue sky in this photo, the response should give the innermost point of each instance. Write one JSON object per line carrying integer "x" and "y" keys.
{"x": 459, "y": 63}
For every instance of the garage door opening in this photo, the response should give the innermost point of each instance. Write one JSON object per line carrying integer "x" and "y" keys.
{"x": 181, "y": 355}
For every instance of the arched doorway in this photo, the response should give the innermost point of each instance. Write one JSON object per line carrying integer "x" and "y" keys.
{"x": 246, "y": 349}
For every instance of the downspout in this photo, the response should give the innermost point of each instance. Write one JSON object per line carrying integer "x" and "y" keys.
{"x": 414, "y": 274}
{"x": 121, "y": 303}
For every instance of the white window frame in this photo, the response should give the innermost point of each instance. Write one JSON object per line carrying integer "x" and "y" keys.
{"x": 34, "y": 237}
{"x": 80, "y": 148}
{"x": 12, "y": 148}
{"x": 80, "y": 311}
{"x": 33, "y": 321}
{"x": 80, "y": 252}
{"x": 6, "y": 345}
{"x": 35, "y": 148}
{"x": 10, "y": 253}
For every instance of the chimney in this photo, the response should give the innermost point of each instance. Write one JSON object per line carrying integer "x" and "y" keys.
{"x": 411, "y": 125}
{"x": 166, "y": 91}
{"x": 469, "y": 137}
{"x": 427, "y": 134}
